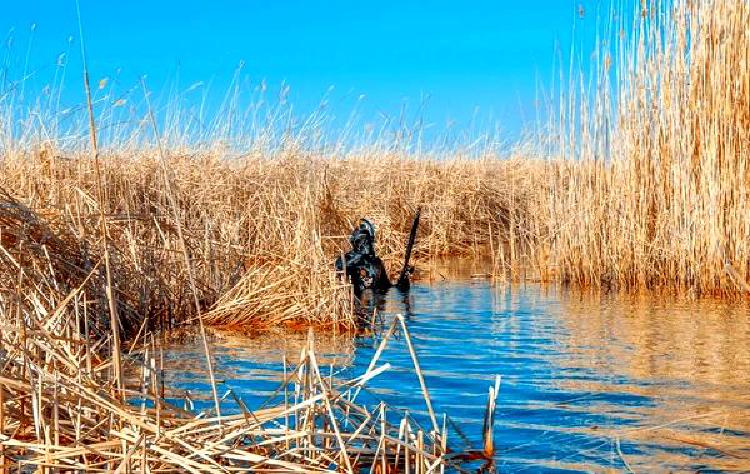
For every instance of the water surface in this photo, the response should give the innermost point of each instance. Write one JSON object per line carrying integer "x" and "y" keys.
{"x": 589, "y": 383}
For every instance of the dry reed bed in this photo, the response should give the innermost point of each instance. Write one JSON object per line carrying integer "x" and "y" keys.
{"x": 654, "y": 190}
{"x": 261, "y": 234}
{"x": 651, "y": 192}
{"x": 648, "y": 190}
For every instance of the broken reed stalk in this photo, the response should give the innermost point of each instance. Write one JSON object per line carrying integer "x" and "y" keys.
{"x": 183, "y": 245}
{"x": 418, "y": 370}
{"x": 2, "y": 429}
{"x": 488, "y": 426}
{"x": 444, "y": 440}
{"x": 381, "y": 347}
{"x": 114, "y": 319}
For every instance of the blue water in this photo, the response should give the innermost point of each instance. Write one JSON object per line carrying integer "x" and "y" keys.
{"x": 666, "y": 381}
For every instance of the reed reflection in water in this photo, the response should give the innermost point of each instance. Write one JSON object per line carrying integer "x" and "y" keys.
{"x": 590, "y": 382}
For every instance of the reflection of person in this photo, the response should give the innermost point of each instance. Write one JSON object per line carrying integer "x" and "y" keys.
{"x": 370, "y": 302}
{"x": 406, "y": 301}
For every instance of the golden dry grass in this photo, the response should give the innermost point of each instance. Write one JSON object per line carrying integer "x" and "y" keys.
{"x": 261, "y": 233}
{"x": 653, "y": 189}
{"x": 648, "y": 190}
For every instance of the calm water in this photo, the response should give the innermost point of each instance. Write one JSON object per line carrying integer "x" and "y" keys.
{"x": 667, "y": 381}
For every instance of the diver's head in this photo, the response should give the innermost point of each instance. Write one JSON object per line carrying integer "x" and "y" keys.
{"x": 363, "y": 238}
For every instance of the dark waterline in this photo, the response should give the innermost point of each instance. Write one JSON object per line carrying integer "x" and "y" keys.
{"x": 588, "y": 383}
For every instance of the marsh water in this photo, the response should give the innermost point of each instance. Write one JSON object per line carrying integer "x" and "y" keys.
{"x": 590, "y": 383}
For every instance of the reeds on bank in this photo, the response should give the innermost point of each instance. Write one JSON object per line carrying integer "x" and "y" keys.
{"x": 261, "y": 232}
{"x": 652, "y": 192}
{"x": 644, "y": 185}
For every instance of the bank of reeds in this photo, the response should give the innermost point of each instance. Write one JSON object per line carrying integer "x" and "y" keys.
{"x": 646, "y": 188}
{"x": 261, "y": 233}
{"x": 652, "y": 191}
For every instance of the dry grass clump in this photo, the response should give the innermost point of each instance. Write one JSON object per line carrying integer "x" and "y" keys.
{"x": 40, "y": 264}
{"x": 654, "y": 193}
{"x": 465, "y": 201}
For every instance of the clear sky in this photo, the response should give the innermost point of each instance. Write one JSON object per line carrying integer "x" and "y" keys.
{"x": 472, "y": 58}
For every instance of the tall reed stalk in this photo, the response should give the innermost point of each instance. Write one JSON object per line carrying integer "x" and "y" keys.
{"x": 114, "y": 320}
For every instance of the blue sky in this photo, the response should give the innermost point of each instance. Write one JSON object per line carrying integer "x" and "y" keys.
{"x": 469, "y": 59}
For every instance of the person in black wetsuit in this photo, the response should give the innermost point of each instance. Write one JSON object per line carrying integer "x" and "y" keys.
{"x": 364, "y": 268}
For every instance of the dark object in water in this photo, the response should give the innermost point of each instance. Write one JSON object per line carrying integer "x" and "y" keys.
{"x": 365, "y": 269}
{"x": 406, "y": 270}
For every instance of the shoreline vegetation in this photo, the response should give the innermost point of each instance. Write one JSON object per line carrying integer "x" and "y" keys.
{"x": 644, "y": 187}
